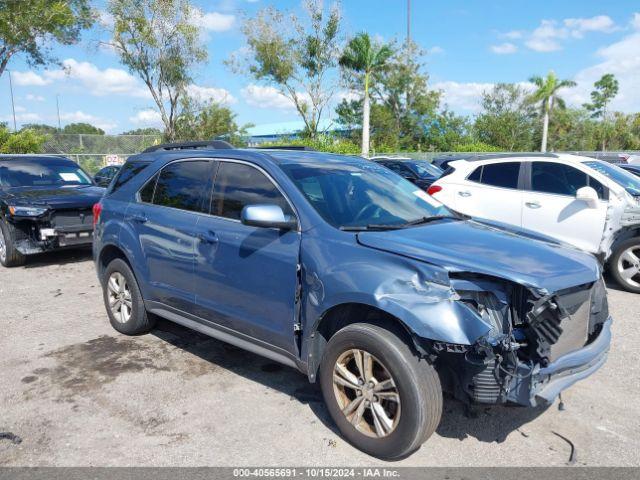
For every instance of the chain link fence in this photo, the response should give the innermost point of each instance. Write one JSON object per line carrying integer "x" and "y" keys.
{"x": 92, "y": 152}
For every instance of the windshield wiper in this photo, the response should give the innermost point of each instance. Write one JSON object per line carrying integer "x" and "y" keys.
{"x": 397, "y": 226}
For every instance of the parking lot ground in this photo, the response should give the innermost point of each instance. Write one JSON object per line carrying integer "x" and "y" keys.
{"x": 76, "y": 393}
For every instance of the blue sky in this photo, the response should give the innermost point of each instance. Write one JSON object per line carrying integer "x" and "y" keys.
{"x": 471, "y": 45}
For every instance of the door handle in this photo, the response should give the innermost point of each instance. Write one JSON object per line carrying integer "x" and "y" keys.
{"x": 533, "y": 205}
{"x": 139, "y": 217}
{"x": 208, "y": 237}
{"x": 464, "y": 194}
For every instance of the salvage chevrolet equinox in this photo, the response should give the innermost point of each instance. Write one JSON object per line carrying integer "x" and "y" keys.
{"x": 344, "y": 270}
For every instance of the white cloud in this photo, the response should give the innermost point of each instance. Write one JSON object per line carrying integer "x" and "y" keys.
{"x": 213, "y": 21}
{"x": 28, "y": 79}
{"x": 599, "y": 23}
{"x": 545, "y": 37}
{"x": 635, "y": 21}
{"x": 504, "y": 48}
{"x": 461, "y": 96}
{"x": 435, "y": 50}
{"x": 22, "y": 117}
{"x": 34, "y": 98}
{"x": 266, "y": 97}
{"x": 147, "y": 117}
{"x": 98, "y": 82}
{"x": 81, "y": 117}
{"x": 513, "y": 34}
{"x": 205, "y": 94}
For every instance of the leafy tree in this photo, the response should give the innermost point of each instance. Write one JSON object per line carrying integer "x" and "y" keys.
{"x": 157, "y": 40}
{"x": 605, "y": 90}
{"x": 506, "y": 119}
{"x": 25, "y": 141}
{"x": 546, "y": 95}
{"x": 207, "y": 121}
{"x": 293, "y": 56}
{"x": 27, "y": 28}
{"x": 143, "y": 131}
{"x": 84, "y": 128}
{"x": 364, "y": 58}
{"x": 40, "y": 128}
{"x": 571, "y": 129}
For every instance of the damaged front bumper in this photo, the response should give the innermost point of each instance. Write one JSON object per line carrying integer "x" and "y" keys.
{"x": 41, "y": 235}
{"x": 541, "y": 385}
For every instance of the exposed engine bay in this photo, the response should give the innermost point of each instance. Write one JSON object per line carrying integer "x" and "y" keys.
{"x": 535, "y": 339}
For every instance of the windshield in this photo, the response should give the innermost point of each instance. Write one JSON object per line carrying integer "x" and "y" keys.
{"x": 367, "y": 196}
{"x": 630, "y": 182}
{"x": 425, "y": 169}
{"x": 41, "y": 172}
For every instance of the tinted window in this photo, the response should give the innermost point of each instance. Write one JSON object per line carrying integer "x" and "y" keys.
{"x": 400, "y": 169}
{"x": 238, "y": 185}
{"x": 127, "y": 172}
{"x": 146, "y": 194}
{"x": 476, "y": 175}
{"x": 561, "y": 179}
{"x": 182, "y": 185}
{"x": 503, "y": 175}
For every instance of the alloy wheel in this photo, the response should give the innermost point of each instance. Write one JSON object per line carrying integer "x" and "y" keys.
{"x": 119, "y": 296}
{"x": 629, "y": 266}
{"x": 366, "y": 393}
{"x": 3, "y": 246}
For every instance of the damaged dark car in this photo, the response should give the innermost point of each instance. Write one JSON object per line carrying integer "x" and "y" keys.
{"x": 344, "y": 270}
{"x": 46, "y": 203}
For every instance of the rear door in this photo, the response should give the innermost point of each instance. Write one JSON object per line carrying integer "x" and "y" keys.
{"x": 491, "y": 191}
{"x": 165, "y": 220}
{"x": 549, "y": 205}
{"x": 245, "y": 276}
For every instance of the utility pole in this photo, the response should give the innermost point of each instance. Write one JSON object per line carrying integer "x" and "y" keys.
{"x": 58, "y": 108}
{"x": 408, "y": 50}
{"x": 408, "y": 21}
{"x": 13, "y": 105}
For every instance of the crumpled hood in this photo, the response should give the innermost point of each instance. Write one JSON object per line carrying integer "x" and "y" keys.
{"x": 470, "y": 246}
{"x": 74, "y": 196}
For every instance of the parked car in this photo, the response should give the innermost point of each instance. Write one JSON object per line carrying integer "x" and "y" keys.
{"x": 340, "y": 268}
{"x": 634, "y": 169}
{"x": 45, "y": 204}
{"x": 589, "y": 203}
{"x": 443, "y": 161}
{"x": 105, "y": 175}
{"x": 419, "y": 172}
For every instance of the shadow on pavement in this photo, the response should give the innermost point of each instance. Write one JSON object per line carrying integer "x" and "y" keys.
{"x": 59, "y": 257}
{"x": 487, "y": 424}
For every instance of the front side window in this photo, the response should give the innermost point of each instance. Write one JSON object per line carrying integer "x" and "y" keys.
{"x": 238, "y": 185}
{"x": 559, "y": 179}
{"x": 127, "y": 172}
{"x": 362, "y": 195}
{"x": 182, "y": 185}
{"x": 624, "y": 178}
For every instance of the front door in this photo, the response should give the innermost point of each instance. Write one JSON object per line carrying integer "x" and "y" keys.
{"x": 549, "y": 205}
{"x": 245, "y": 276}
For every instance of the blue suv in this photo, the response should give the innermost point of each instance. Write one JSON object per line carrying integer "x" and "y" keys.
{"x": 342, "y": 269}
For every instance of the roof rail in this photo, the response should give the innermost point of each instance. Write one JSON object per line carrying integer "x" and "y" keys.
{"x": 287, "y": 147}
{"x": 211, "y": 144}
{"x": 496, "y": 156}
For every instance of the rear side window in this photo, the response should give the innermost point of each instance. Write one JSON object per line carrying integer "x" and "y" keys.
{"x": 238, "y": 185}
{"x": 504, "y": 175}
{"x": 559, "y": 179}
{"x": 127, "y": 172}
{"x": 182, "y": 185}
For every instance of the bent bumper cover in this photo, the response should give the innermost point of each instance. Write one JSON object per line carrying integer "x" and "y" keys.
{"x": 544, "y": 384}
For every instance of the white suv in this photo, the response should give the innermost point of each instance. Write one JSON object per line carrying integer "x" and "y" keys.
{"x": 591, "y": 204}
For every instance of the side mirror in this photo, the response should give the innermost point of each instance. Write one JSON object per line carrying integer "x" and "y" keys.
{"x": 267, "y": 216}
{"x": 588, "y": 195}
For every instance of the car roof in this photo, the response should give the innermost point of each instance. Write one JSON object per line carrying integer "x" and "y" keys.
{"x": 507, "y": 157}
{"x": 31, "y": 156}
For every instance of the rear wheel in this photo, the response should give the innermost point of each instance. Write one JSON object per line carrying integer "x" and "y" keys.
{"x": 9, "y": 255}
{"x": 624, "y": 265}
{"x": 385, "y": 400}
{"x": 123, "y": 300}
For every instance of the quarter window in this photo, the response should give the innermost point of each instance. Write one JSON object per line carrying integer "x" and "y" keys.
{"x": 182, "y": 185}
{"x": 238, "y": 185}
{"x": 504, "y": 175}
{"x": 559, "y": 179}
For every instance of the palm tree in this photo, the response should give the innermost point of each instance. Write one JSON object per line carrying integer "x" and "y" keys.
{"x": 547, "y": 95}
{"x": 365, "y": 57}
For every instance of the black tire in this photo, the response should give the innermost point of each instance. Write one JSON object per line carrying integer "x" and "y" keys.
{"x": 615, "y": 264}
{"x": 9, "y": 256}
{"x": 139, "y": 321}
{"x": 417, "y": 382}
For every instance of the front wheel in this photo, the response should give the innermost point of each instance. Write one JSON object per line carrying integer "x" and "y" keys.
{"x": 385, "y": 400}
{"x": 9, "y": 255}
{"x": 624, "y": 265}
